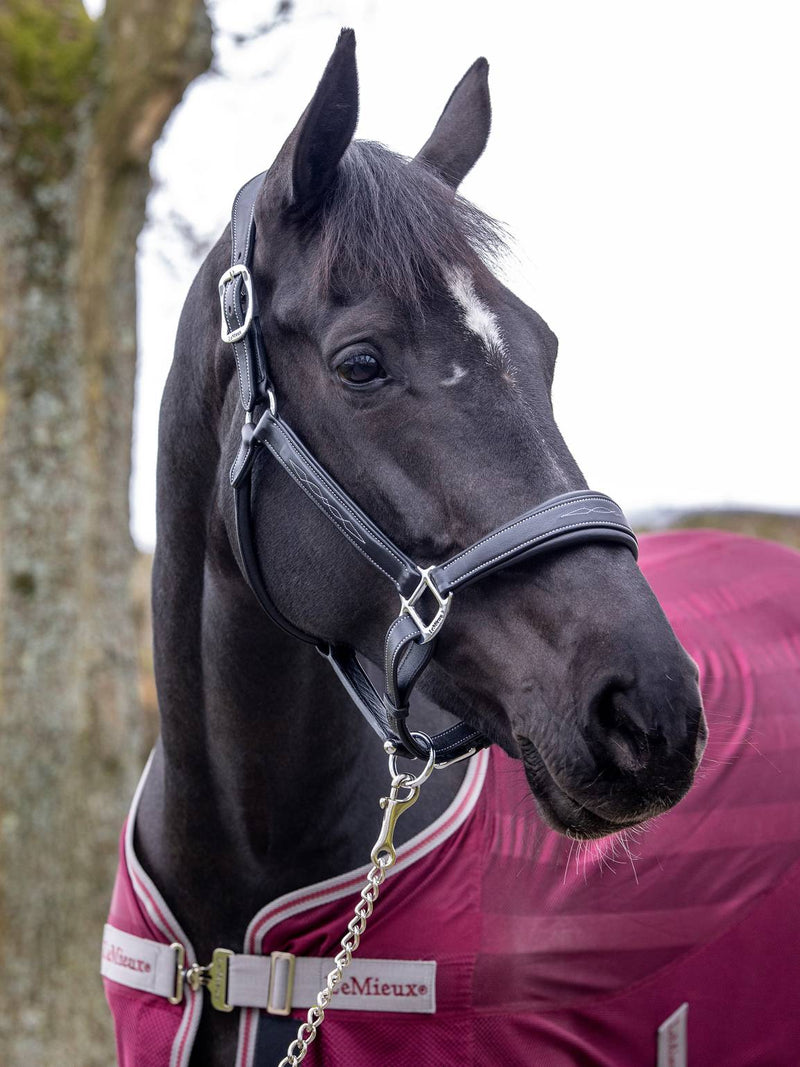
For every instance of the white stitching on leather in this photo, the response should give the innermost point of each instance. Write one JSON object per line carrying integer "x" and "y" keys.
{"x": 403, "y": 646}
{"x": 318, "y": 493}
{"x": 519, "y": 522}
{"x": 243, "y": 343}
{"x": 455, "y": 727}
{"x": 396, "y": 622}
{"x": 252, "y": 214}
{"x": 248, "y": 399}
{"x": 400, "y": 648}
{"x": 532, "y": 541}
{"x": 334, "y": 491}
{"x": 233, "y": 213}
{"x": 235, "y": 358}
{"x": 341, "y": 529}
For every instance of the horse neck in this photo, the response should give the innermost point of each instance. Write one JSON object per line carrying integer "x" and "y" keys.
{"x": 265, "y": 779}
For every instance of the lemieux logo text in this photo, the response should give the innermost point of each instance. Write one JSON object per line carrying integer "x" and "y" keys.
{"x": 374, "y": 987}
{"x": 114, "y": 954}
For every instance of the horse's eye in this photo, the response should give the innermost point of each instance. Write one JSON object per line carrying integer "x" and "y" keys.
{"x": 360, "y": 368}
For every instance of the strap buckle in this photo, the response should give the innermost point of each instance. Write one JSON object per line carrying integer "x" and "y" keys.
{"x": 180, "y": 960}
{"x": 430, "y": 629}
{"x": 284, "y": 984}
{"x": 230, "y": 337}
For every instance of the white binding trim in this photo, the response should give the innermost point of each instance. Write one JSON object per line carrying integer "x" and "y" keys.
{"x": 161, "y": 916}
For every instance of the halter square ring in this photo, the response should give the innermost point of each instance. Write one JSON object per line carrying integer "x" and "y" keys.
{"x": 427, "y": 630}
{"x": 238, "y": 270}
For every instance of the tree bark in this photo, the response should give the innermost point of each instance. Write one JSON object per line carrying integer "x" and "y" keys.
{"x": 81, "y": 106}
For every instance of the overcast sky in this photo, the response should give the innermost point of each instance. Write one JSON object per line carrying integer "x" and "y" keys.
{"x": 644, "y": 156}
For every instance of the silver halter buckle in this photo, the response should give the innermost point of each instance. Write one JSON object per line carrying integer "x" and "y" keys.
{"x": 430, "y": 629}
{"x": 230, "y": 337}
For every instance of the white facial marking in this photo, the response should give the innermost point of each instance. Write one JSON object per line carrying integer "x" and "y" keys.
{"x": 479, "y": 319}
{"x": 482, "y": 321}
{"x": 455, "y": 377}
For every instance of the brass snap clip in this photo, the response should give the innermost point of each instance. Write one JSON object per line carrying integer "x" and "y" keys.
{"x": 213, "y": 977}
{"x": 383, "y": 854}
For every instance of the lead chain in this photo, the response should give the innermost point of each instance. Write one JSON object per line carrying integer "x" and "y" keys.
{"x": 383, "y": 857}
{"x": 296, "y": 1052}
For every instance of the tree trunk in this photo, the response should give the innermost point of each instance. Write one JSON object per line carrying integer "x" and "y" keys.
{"x": 81, "y": 105}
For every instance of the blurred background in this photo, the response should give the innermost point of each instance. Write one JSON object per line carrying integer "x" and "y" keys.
{"x": 645, "y": 159}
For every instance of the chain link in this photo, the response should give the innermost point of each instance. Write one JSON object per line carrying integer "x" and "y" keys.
{"x": 298, "y": 1049}
{"x": 383, "y": 857}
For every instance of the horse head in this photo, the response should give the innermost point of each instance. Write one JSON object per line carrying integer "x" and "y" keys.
{"x": 422, "y": 384}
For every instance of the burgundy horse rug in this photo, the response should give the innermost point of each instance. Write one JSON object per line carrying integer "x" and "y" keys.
{"x": 497, "y": 941}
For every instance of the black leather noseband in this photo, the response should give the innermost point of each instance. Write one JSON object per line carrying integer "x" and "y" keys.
{"x": 573, "y": 518}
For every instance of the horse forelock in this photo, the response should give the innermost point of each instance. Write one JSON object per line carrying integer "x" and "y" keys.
{"x": 391, "y": 224}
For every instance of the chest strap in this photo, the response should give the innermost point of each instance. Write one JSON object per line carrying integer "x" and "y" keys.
{"x": 277, "y": 984}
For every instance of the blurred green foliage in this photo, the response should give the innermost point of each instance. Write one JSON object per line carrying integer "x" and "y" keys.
{"x": 47, "y": 54}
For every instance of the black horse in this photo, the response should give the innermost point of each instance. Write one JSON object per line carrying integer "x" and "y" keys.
{"x": 423, "y": 385}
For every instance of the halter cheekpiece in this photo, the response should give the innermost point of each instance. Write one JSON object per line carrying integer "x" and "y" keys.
{"x": 564, "y": 521}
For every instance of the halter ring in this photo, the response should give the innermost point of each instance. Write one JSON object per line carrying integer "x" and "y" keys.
{"x": 424, "y": 774}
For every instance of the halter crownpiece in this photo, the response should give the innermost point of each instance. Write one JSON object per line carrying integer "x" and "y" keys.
{"x": 570, "y": 519}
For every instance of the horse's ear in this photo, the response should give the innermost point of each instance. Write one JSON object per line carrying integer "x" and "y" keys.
{"x": 325, "y": 129}
{"x": 462, "y": 131}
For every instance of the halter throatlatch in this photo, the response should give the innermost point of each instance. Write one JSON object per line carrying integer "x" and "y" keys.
{"x": 566, "y": 520}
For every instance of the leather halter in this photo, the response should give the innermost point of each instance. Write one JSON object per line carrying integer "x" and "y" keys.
{"x": 566, "y": 520}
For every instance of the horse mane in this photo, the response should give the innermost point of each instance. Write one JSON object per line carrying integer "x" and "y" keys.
{"x": 392, "y": 224}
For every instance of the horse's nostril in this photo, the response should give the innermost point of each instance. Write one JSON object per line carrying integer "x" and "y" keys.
{"x": 621, "y": 729}
{"x": 629, "y": 747}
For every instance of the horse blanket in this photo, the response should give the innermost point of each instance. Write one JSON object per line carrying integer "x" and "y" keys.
{"x": 681, "y": 940}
